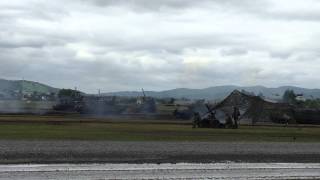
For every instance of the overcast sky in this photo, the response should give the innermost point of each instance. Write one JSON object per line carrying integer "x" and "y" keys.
{"x": 160, "y": 44}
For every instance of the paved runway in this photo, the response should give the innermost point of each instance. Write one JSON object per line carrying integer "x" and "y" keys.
{"x": 163, "y": 171}
{"x": 48, "y": 152}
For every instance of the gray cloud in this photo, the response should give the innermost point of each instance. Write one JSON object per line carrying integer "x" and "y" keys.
{"x": 234, "y": 51}
{"x": 126, "y": 45}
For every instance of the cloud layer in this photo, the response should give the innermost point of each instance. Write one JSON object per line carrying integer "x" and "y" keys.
{"x": 128, "y": 44}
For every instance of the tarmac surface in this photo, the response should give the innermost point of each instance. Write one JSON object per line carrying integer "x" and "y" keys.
{"x": 48, "y": 152}
{"x": 163, "y": 171}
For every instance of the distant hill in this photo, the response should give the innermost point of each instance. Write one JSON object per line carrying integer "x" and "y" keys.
{"x": 9, "y": 87}
{"x": 219, "y": 92}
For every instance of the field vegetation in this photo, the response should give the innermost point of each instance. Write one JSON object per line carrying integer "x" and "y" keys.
{"x": 80, "y": 128}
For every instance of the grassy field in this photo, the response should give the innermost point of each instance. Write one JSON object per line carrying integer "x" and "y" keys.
{"x": 60, "y": 128}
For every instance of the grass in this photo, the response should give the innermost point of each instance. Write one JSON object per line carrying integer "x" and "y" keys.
{"x": 44, "y": 129}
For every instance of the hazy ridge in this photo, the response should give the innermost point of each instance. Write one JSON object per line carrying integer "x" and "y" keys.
{"x": 214, "y": 92}
{"x": 219, "y": 92}
{"x": 8, "y": 87}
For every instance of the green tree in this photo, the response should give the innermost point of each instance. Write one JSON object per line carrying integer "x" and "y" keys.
{"x": 63, "y": 93}
{"x": 289, "y": 97}
{"x": 312, "y": 103}
{"x": 261, "y": 95}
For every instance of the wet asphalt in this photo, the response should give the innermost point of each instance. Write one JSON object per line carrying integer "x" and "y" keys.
{"x": 26, "y": 151}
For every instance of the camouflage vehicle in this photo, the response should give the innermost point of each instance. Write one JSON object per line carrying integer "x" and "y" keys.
{"x": 208, "y": 120}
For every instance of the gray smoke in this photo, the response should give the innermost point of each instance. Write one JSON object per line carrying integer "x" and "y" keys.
{"x": 25, "y": 107}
